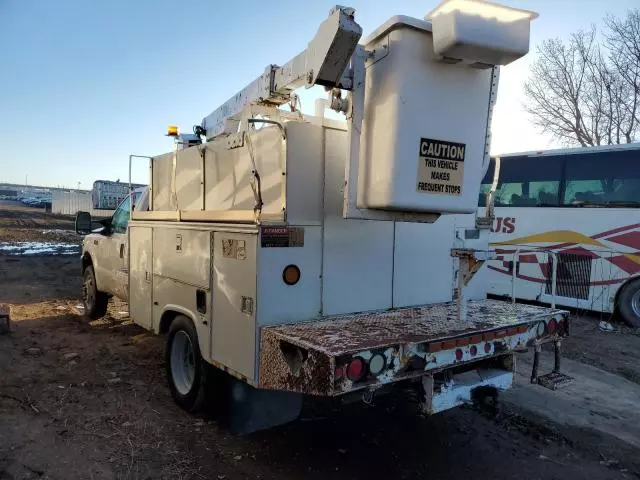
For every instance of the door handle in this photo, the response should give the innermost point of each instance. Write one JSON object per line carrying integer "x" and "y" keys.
{"x": 122, "y": 250}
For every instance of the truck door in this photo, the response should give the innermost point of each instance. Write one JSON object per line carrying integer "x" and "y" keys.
{"x": 114, "y": 275}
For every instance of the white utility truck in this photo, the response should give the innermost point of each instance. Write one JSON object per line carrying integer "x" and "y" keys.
{"x": 308, "y": 256}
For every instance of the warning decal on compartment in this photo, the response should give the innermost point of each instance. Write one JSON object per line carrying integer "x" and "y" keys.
{"x": 440, "y": 167}
{"x": 281, "y": 237}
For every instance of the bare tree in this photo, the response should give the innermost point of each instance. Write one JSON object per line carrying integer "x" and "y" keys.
{"x": 587, "y": 92}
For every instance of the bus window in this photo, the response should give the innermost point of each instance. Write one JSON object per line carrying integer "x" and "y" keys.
{"x": 546, "y": 193}
{"x": 626, "y": 190}
{"x": 584, "y": 191}
{"x": 525, "y": 182}
{"x": 602, "y": 179}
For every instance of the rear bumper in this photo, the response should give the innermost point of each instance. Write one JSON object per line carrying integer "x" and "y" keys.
{"x": 313, "y": 357}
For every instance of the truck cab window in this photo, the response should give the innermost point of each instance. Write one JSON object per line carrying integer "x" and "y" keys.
{"x": 120, "y": 218}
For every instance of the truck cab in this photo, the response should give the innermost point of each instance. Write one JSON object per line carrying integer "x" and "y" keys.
{"x": 105, "y": 258}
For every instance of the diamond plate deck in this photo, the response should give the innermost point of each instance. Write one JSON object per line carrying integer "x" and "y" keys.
{"x": 339, "y": 335}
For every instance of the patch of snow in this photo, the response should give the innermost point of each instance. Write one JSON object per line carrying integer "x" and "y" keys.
{"x": 57, "y": 230}
{"x": 39, "y": 248}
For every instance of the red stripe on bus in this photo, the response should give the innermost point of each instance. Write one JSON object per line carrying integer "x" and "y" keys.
{"x": 629, "y": 239}
{"x": 543, "y": 280}
{"x": 616, "y": 230}
{"x": 624, "y": 263}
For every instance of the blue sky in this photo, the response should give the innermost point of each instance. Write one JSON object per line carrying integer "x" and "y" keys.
{"x": 86, "y": 83}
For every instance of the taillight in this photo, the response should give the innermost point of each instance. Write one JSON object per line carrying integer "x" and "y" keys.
{"x": 377, "y": 364}
{"x": 552, "y": 326}
{"x": 356, "y": 369}
{"x": 473, "y": 350}
{"x": 487, "y": 347}
{"x": 563, "y": 326}
{"x": 459, "y": 354}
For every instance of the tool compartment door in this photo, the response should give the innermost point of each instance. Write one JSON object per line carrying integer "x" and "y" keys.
{"x": 140, "y": 275}
{"x": 234, "y": 301}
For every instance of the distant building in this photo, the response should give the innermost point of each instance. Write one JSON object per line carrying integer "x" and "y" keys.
{"x": 69, "y": 202}
{"x": 108, "y": 195}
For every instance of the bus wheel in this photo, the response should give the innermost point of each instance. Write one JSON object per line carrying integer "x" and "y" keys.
{"x": 186, "y": 369}
{"x": 629, "y": 303}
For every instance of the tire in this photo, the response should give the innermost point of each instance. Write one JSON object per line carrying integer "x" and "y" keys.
{"x": 186, "y": 369}
{"x": 94, "y": 301}
{"x": 629, "y": 303}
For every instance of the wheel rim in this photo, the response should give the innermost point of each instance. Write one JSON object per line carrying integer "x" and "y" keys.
{"x": 183, "y": 367}
{"x": 88, "y": 291}
{"x": 635, "y": 303}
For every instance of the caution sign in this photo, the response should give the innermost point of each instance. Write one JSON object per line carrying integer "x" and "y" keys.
{"x": 440, "y": 167}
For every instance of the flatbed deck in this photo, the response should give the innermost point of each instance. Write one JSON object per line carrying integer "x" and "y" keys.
{"x": 324, "y": 341}
{"x": 342, "y": 334}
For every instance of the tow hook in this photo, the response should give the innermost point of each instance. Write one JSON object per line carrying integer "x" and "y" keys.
{"x": 368, "y": 397}
{"x": 485, "y": 398}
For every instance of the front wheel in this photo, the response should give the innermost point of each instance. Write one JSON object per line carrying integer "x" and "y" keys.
{"x": 629, "y": 303}
{"x": 94, "y": 301}
{"x": 186, "y": 370}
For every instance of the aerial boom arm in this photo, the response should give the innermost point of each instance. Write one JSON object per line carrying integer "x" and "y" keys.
{"x": 322, "y": 63}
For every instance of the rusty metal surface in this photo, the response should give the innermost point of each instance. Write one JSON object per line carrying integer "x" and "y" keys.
{"x": 335, "y": 336}
{"x": 312, "y": 374}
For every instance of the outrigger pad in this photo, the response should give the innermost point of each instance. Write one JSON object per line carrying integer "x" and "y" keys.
{"x": 554, "y": 380}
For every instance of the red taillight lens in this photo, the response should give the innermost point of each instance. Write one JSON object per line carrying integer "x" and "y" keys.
{"x": 339, "y": 373}
{"x": 552, "y": 326}
{"x": 459, "y": 354}
{"x": 356, "y": 369}
{"x": 487, "y": 347}
{"x": 473, "y": 350}
{"x": 563, "y": 326}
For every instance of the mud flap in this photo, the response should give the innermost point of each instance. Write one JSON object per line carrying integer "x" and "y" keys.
{"x": 250, "y": 409}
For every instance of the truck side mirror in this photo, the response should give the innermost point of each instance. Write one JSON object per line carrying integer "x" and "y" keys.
{"x": 83, "y": 223}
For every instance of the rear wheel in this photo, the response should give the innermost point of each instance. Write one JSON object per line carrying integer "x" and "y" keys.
{"x": 629, "y": 303}
{"x": 186, "y": 370}
{"x": 94, "y": 301}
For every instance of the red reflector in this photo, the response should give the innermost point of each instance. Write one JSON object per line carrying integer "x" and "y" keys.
{"x": 501, "y": 333}
{"x": 552, "y": 326}
{"x": 435, "y": 347}
{"x": 339, "y": 373}
{"x": 512, "y": 331}
{"x": 489, "y": 336}
{"x": 563, "y": 326}
{"x": 462, "y": 342}
{"x": 448, "y": 344}
{"x": 522, "y": 329}
{"x": 355, "y": 369}
{"x": 487, "y": 348}
{"x": 475, "y": 339}
{"x": 473, "y": 350}
{"x": 459, "y": 354}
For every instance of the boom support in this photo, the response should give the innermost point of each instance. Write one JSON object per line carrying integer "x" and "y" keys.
{"x": 322, "y": 63}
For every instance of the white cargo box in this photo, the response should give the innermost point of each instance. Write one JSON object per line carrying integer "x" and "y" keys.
{"x": 424, "y": 130}
{"x": 480, "y": 33}
{"x": 428, "y": 95}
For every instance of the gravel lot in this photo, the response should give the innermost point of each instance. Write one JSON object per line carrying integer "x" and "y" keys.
{"x": 82, "y": 400}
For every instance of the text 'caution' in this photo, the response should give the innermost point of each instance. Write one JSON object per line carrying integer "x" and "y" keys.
{"x": 440, "y": 167}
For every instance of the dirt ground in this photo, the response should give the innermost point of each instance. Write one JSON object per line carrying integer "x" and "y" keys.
{"x": 88, "y": 400}
{"x": 616, "y": 352}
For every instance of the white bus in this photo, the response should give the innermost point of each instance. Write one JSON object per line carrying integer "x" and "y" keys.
{"x": 579, "y": 208}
